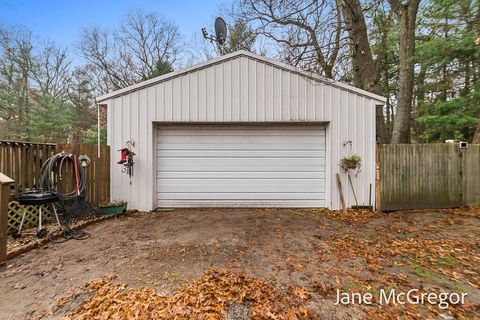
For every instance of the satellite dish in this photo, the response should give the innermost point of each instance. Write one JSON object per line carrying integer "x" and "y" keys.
{"x": 220, "y": 30}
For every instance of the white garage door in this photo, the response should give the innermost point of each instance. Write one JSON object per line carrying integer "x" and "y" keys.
{"x": 241, "y": 166}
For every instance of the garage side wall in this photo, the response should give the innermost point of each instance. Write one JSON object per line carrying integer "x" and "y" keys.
{"x": 241, "y": 90}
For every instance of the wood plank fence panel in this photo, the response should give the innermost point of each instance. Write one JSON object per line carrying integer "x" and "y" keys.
{"x": 105, "y": 173}
{"x": 36, "y": 163}
{"x": 16, "y": 169}
{"x": 472, "y": 175}
{"x": 22, "y": 161}
{"x": 416, "y": 176}
{"x": 98, "y": 181}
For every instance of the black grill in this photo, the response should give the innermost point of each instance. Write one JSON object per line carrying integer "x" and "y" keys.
{"x": 37, "y": 198}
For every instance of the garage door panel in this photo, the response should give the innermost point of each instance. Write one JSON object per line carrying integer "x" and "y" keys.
{"x": 240, "y": 153}
{"x": 240, "y": 185}
{"x": 239, "y": 174}
{"x": 242, "y": 196}
{"x": 233, "y": 146}
{"x": 240, "y": 165}
{"x": 239, "y": 140}
{"x": 248, "y": 203}
{"x": 264, "y": 130}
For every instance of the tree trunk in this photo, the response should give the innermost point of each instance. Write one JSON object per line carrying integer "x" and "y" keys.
{"x": 406, "y": 15}
{"x": 420, "y": 100}
{"x": 365, "y": 75}
{"x": 476, "y": 136}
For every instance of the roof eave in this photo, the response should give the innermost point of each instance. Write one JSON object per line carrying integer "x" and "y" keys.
{"x": 153, "y": 81}
{"x": 232, "y": 55}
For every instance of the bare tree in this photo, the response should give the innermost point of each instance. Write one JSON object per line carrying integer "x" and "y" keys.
{"x": 241, "y": 37}
{"x": 16, "y": 59}
{"x": 309, "y": 32}
{"x": 51, "y": 72}
{"x": 100, "y": 83}
{"x": 130, "y": 52}
{"x": 200, "y": 50}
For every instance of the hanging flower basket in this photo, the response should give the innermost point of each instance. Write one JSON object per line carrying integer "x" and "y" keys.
{"x": 353, "y": 162}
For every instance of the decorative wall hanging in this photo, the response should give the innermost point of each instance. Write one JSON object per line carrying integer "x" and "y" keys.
{"x": 126, "y": 159}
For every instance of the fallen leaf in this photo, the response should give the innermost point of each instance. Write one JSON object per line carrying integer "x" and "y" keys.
{"x": 301, "y": 293}
{"x": 19, "y": 286}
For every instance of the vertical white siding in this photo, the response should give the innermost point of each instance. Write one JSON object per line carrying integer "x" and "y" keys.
{"x": 241, "y": 90}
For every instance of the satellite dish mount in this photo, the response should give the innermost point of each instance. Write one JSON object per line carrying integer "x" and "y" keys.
{"x": 220, "y": 34}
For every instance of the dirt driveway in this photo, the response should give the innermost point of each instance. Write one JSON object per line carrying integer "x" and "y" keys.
{"x": 305, "y": 255}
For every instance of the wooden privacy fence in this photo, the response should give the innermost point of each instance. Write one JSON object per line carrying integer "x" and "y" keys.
{"x": 97, "y": 173}
{"x": 416, "y": 176}
{"x": 22, "y": 162}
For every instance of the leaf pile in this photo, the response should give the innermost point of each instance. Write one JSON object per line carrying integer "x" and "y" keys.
{"x": 351, "y": 215}
{"x": 457, "y": 260}
{"x": 452, "y": 258}
{"x": 206, "y": 298}
{"x": 473, "y": 211}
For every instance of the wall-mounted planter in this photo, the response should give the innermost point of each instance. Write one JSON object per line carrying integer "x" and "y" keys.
{"x": 113, "y": 209}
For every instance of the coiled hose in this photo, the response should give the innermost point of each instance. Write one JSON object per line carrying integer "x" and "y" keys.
{"x": 51, "y": 174}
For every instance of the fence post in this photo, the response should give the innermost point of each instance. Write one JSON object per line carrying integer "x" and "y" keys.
{"x": 4, "y": 199}
{"x": 377, "y": 191}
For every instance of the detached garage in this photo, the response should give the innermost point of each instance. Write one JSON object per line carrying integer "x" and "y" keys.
{"x": 241, "y": 131}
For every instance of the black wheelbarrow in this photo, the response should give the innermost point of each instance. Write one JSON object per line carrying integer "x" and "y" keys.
{"x": 37, "y": 198}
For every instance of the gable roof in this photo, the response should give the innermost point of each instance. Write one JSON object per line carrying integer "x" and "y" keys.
{"x": 231, "y": 56}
